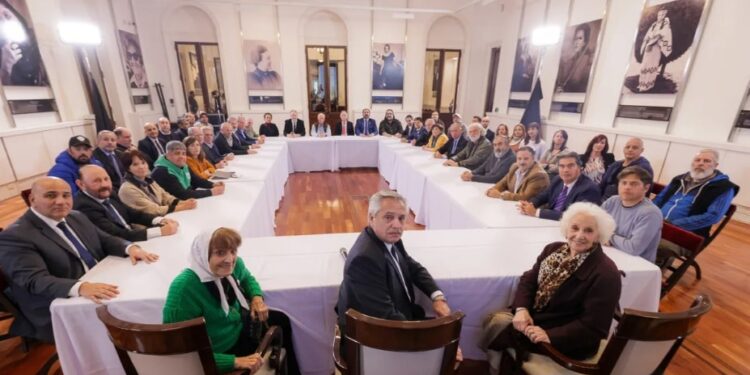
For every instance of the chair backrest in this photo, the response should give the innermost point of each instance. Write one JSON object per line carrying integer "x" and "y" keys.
{"x": 25, "y": 195}
{"x": 727, "y": 218}
{"x": 645, "y": 342}
{"x": 5, "y": 302}
{"x": 681, "y": 237}
{"x": 378, "y": 346}
{"x": 656, "y": 188}
{"x": 177, "y": 348}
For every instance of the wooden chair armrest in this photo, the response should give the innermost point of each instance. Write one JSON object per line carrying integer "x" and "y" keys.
{"x": 567, "y": 362}
{"x": 340, "y": 363}
{"x": 273, "y": 333}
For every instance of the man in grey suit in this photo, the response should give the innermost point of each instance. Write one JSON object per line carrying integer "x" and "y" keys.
{"x": 476, "y": 151}
{"x": 47, "y": 250}
{"x": 379, "y": 276}
{"x": 496, "y": 166}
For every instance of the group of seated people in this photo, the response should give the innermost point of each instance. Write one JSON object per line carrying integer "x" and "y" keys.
{"x": 98, "y": 201}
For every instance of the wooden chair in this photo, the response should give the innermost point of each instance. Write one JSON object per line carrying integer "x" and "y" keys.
{"x": 379, "y": 346}
{"x": 178, "y": 348}
{"x": 643, "y": 343}
{"x": 690, "y": 242}
{"x": 25, "y": 196}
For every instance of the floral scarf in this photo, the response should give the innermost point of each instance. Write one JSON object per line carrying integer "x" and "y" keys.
{"x": 555, "y": 269}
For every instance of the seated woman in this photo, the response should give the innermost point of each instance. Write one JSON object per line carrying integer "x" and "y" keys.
{"x": 517, "y": 138}
{"x": 597, "y": 158}
{"x": 568, "y": 298}
{"x": 548, "y": 161}
{"x": 196, "y": 159}
{"x": 437, "y": 139}
{"x": 219, "y": 288}
{"x": 139, "y": 191}
{"x": 502, "y": 129}
{"x": 534, "y": 139}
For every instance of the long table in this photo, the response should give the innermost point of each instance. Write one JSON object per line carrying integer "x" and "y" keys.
{"x": 477, "y": 268}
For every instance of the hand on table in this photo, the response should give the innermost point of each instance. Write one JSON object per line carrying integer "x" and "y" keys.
{"x": 466, "y": 176}
{"x": 218, "y": 189}
{"x": 450, "y": 163}
{"x": 494, "y": 193}
{"x": 526, "y": 208}
{"x": 136, "y": 253}
{"x": 188, "y": 204}
{"x": 169, "y": 227}
{"x": 98, "y": 292}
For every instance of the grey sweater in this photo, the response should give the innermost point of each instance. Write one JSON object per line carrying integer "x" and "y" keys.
{"x": 638, "y": 229}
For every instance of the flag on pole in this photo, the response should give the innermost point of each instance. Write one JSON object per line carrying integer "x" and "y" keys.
{"x": 532, "y": 113}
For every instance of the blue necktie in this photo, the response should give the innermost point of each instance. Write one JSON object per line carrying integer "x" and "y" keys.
{"x": 366, "y": 123}
{"x": 84, "y": 253}
{"x": 114, "y": 215}
{"x": 113, "y": 159}
{"x": 560, "y": 201}
{"x": 455, "y": 144}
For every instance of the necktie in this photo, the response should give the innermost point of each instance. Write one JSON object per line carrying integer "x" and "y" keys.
{"x": 84, "y": 253}
{"x": 343, "y": 130}
{"x": 365, "y": 123}
{"x": 394, "y": 256}
{"x": 113, "y": 159}
{"x": 114, "y": 215}
{"x": 455, "y": 144}
{"x": 158, "y": 146}
{"x": 560, "y": 201}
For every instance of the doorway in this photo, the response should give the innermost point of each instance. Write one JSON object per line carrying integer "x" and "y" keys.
{"x": 489, "y": 98}
{"x": 441, "y": 83}
{"x": 326, "y": 82}
{"x": 200, "y": 73}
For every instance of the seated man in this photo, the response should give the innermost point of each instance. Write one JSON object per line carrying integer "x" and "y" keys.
{"x": 390, "y": 126}
{"x": 242, "y": 133}
{"x": 105, "y": 210}
{"x": 105, "y": 153}
{"x": 455, "y": 144}
{"x": 226, "y": 142}
{"x": 365, "y": 125}
{"x": 476, "y": 151}
{"x": 408, "y": 125}
{"x": 698, "y": 199}
{"x": 320, "y": 128}
{"x": 496, "y": 166}
{"x": 632, "y": 151}
{"x": 417, "y": 131}
{"x": 124, "y": 139}
{"x": 151, "y": 145}
{"x": 209, "y": 147}
{"x": 424, "y": 138}
{"x": 569, "y": 187}
{"x": 45, "y": 253}
{"x": 639, "y": 221}
{"x": 524, "y": 180}
{"x": 294, "y": 127}
{"x": 173, "y": 174}
{"x": 379, "y": 276}
{"x": 165, "y": 131}
{"x": 183, "y": 125}
{"x": 71, "y": 160}
{"x": 487, "y": 132}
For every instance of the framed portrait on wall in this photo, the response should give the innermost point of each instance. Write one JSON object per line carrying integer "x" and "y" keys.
{"x": 577, "y": 57}
{"x": 665, "y": 42}
{"x": 130, "y": 49}
{"x": 20, "y": 60}
{"x": 524, "y": 66}
{"x": 261, "y": 59}
{"x": 388, "y": 66}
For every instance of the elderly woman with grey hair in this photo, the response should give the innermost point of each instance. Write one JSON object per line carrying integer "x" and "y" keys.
{"x": 568, "y": 298}
{"x": 172, "y": 173}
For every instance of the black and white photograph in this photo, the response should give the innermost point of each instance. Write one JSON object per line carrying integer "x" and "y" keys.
{"x": 663, "y": 46}
{"x": 261, "y": 64}
{"x": 577, "y": 57}
{"x": 524, "y": 65}
{"x": 133, "y": 58}
{"x": 388, "y": 66}
{"x": 20, "y": 61}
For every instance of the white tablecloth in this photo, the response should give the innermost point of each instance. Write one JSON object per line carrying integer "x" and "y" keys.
{"x": 478, "y": 269}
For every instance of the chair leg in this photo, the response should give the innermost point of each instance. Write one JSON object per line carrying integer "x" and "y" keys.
{"x": 697, "y": 269}
{"x": 47, "y": 365}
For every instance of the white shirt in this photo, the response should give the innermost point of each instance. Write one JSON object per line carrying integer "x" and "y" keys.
{"x": 394, "y": 256}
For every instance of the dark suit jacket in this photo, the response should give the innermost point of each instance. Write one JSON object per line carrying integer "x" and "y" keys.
{"x": 298, "y": 129}
{"x": 244, "y": 137}
{"x": 96, "y": 212}
{"x": 580, "y": 313}
{"x": 147, "y": 147}
{"x": 359, "y": 127}
{"x": 223, "y": 147}
{"x": 212, "y": 153}
{"x": 173, "y": 186}
{"x": 269, "y": 130}
{"x": 490, "y": 135}
{"x": 448, "y": 146}
{"x": 106, "y": 162}
{"x": 494, "y": 169}
{"x": 584, "y": 190}
{"x": 372, "y": 285}
{"x": 41, "y": 266}
{"x": 173, "y": 136}
{"x": 337, "y": 129}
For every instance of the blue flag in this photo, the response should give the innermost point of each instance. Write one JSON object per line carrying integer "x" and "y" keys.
{"x": 532, "y": 113}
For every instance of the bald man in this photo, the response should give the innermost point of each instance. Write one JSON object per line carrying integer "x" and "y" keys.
{"x": 151, "y": 145}
{"x": 45, "y": 253}
{"x": 632, "y": 151}
{"x": 227, "y": 142}
{"x": 124, "y": 139}
{"x": 165, "y": 131}
{"x": 106, "y": 153}
{"x": 107, "y": 212}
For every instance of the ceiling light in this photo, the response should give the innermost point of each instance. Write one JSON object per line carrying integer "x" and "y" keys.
{"x": 79, "y": 33}
{"x": 13, "y": 31}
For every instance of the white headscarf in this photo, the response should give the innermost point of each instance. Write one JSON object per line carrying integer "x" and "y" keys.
{"x": 199, "y": 264}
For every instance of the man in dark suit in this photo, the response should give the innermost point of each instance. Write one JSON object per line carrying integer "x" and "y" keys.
{"x": 496, "y": 166}
{"x": 365, "y": 125}
{"x": 242, "y": 134}
{"x": 379, "y": 276}
{"x": 124, "y": 140}
{"x": 569, "y": 187}
{"x": 209, "y": 147}
{"x": 165, "y": 131}
{"x": 455, "y": 144}
{"x": 476, "y": 151}
{"x": 294, "y": 127}
{"x": 343, "y": 126}
{"x": 47, "y": 250}
{"x": 151, "y": 145}
{"x": 489, "y": 134}
{"x": 105, "y": 210}
{"x": 106, "y": 153}
{"x": 226, "y": 142}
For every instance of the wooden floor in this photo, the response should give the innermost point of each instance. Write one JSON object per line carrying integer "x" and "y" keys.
{"x": 328, "y": 202}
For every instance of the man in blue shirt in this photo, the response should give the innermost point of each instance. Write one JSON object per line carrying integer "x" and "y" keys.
{"x": 69, "y": 161}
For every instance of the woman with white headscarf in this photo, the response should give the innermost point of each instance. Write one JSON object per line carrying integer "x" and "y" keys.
{"x": 219, "y": 288}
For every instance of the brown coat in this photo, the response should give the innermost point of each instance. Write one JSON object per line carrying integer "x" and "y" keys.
{"x": 533, "y": 183}
{"x": 580, "y": 313}
{"x": 136, "y": 198}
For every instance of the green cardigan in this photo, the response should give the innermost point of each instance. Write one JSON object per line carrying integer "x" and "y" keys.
{"x": 188, "y": 298}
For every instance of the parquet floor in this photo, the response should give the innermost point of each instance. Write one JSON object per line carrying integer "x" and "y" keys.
{"x": 337, "y": 202}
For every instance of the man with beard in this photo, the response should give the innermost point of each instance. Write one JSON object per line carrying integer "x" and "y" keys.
{"x": 105, "y": 153}
{"x": 496, "y": 166}
{"x": 390, "y": 126}
{"x": 476, "y": 151}
{"x": 71, "y": 160}
{"x": 105, "y": 210}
